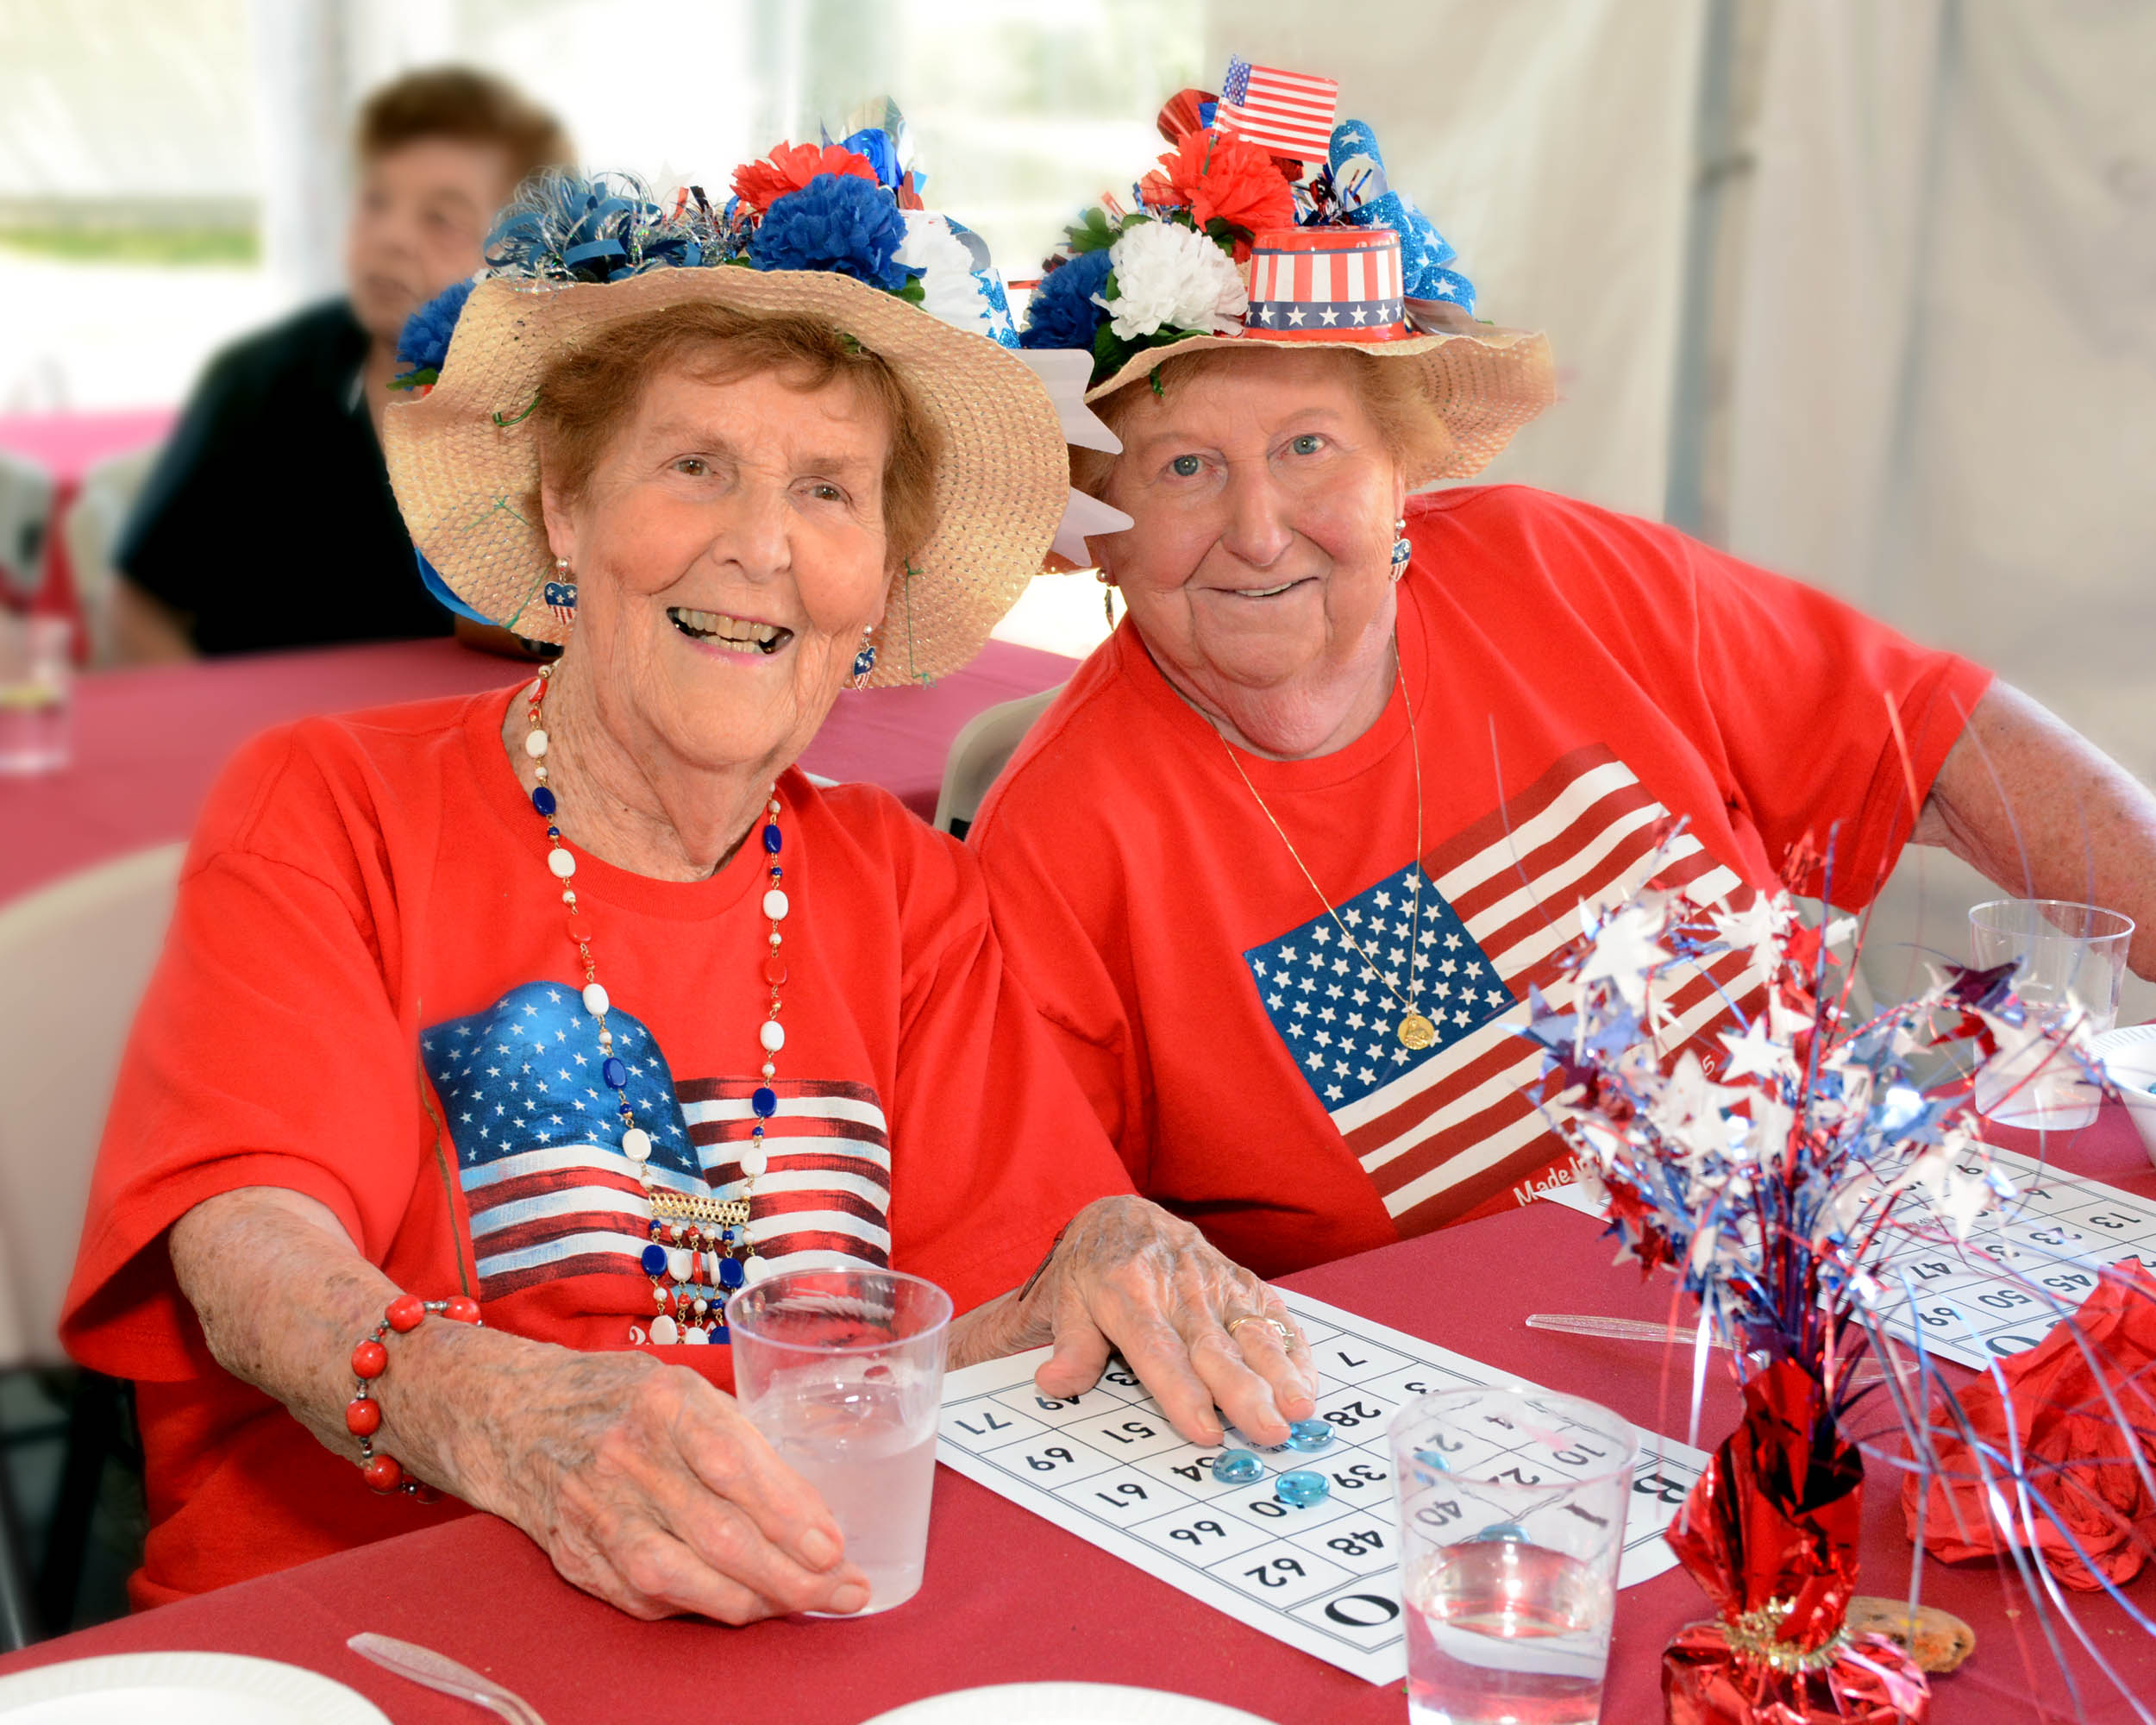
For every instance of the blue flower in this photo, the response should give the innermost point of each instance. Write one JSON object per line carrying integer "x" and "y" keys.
{"x": 880, "y": 149}
{"x": 425, "y": 342}
{"x": 838, "y": 223}
{"x": 1063, "y": 314}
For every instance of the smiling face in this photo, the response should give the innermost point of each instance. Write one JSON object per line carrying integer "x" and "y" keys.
{"x": 1258, "y": 571}
{"x": 729, "y": 548}
{"x": 419, "y": 226}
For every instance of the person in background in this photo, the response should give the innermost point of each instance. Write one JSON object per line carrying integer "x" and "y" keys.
{"x": 277, "y": 458}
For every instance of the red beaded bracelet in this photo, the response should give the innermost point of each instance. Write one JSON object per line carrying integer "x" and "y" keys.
{"x": 370, "y": 1359}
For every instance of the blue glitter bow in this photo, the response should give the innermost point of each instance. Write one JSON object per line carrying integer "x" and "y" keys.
{"x": 1367, "y": 200}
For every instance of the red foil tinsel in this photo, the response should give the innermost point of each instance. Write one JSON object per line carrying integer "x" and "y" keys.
{"x": 1771, "y": 1532}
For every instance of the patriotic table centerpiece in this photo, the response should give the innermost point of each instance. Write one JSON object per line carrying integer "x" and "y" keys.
{"x": 1773, "y": 1186}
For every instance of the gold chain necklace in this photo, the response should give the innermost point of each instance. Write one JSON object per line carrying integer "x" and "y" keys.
{"x": 1415, "y": 1031}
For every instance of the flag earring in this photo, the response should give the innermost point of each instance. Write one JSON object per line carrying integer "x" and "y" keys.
{"x": 864, "y": 660}
{"x": 561, "y": 594}
{"x": 1401, "y": 549}
{"x": 1107, "y": 594}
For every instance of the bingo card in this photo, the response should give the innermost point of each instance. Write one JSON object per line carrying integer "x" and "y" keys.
{"x": 1107, "y": 1466}
{"x": 2022, "y": 1267}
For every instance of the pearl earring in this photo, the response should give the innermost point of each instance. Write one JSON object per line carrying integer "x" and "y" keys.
{"x": 1401, "y": 549}
{"x": 560, "y": 594}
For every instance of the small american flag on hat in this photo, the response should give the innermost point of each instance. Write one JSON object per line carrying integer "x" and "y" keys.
{"x": 1289, "y": 113}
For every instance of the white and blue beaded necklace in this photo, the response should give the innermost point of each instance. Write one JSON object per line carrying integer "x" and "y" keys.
{"x": 688, "y": 1233}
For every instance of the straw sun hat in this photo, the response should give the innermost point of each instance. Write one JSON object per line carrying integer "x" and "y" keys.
{"x": 825, "y": 236}
{"x": 1233, "y": 245}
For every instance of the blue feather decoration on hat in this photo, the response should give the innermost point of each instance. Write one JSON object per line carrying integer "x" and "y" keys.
{"x": 562, "y": 227}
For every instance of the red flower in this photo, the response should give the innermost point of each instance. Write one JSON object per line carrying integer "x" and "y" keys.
{"x": 2077, "y": 1457}
{"x": 791, "y": 166}
{"x": 1216, "y": 174}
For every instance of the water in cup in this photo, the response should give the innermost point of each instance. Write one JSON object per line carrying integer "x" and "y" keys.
{"x": 1512, "y": 1525}
{"x": 33, "y": 706}
{"x": 842, "y": 1370}
{"x": 1503, "y": 1632}
{"x": 866, "y": 1452}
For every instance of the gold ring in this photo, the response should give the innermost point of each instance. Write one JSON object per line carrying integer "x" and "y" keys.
{"x": 1286, "y": 1336}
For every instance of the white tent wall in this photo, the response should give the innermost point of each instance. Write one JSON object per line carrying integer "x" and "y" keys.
{"x": 1944, "y": 374}
{"x": 1919, "y": 362}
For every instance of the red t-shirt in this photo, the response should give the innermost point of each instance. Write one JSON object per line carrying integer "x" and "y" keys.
{"x": 1576, "y": 678}
{"x": 368, "y": 996}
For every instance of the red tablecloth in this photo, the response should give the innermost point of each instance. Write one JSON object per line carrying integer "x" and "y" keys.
{"x": 68, "y": 445}
{"x": 150, "y": 742}
{"x": 1008, "y": 1598}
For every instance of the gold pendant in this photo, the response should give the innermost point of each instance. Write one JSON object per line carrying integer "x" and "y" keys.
{"x": 1417, "y": 1031}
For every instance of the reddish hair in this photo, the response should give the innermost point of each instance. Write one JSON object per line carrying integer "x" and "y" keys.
{"x": 590, "y": 387}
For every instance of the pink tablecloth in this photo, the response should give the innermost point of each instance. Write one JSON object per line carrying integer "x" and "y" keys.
{"x": 148, "y": 743}
{"x": 67, "y": 445}
{"x": 70, "y": 444}
{"x": 1009, "y": 1598}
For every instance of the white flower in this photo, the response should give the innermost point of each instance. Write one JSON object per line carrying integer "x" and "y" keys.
{"x": 953, "y": 292}
{"x": 1171, "y": 277}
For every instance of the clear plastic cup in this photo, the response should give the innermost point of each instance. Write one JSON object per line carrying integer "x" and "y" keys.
{"x": 34, "y": 728}
{"x": 842, "y": 1370}
{"x": 1512, "y": 1504}
{"x": 2073, "y": 962}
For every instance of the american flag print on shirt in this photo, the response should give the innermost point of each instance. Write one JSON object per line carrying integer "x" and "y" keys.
{"x": 551, "y": 1196}
{"x": 1442, "y": 1131}
{"x": 1289, "y": 113}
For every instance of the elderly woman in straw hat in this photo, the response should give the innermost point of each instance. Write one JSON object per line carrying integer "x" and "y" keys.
{"x": 1284, "y": 859}
{"x": 576, "y": 1005}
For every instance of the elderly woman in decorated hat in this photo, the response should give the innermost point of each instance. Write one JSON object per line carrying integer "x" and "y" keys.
{"x": 498, "y": 1039}
{"x": 1285, "y": 858}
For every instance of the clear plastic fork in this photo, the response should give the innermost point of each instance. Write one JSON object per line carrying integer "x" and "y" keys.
{"x": 438, "y": 1671}
{"x": 1616, "y": 1329}
{"x": 1640, "y": 1330}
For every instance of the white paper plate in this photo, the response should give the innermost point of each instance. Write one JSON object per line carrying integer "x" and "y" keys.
{"x": 2130, "y": 1053}
{"x": 180, "y": 1689}
{"x": 1064, "y": 1703}
{"x": 2125, "y": 1038}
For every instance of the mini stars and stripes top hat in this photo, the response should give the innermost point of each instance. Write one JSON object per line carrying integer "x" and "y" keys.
{"x": 1327, "y": 285}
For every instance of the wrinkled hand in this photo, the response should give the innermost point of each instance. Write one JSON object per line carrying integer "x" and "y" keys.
{"x": 650, "y": 1488}
{"x": 1127, "y": 1277}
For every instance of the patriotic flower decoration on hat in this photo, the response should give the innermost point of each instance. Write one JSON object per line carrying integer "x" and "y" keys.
{"x": 837, "y": 231}
{"x": 1267, "y": 220}
{"x": 790, "y": 168}
{"x": 1149, "y": 277}
{"x": 1171, "y": 277}
{"x": 825, "y": 208}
